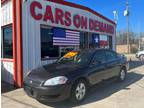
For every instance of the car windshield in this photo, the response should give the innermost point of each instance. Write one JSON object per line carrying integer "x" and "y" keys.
{"x": 76, "y": 58}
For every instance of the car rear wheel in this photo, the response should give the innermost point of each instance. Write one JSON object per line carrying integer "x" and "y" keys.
{"x": 78, "y": 92}
{"x": 122, "y": 74}
{"x": 141, "y": 57}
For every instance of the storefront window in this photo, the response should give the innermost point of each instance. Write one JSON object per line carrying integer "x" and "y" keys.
{"x": 110, "y": 41}
{"x": 83, "y": 40}
{"x": 7, "y": 44}
{"x": 47, "y": 48}
{"x": 94, "y": 40}
{"x": 104, "y": 43}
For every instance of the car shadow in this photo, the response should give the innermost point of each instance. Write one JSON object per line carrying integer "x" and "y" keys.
{"x": 6, "y": 87}
{"x": 6, "y": 76}
{"x": 101, "y": 91}
{"x": 135, "y": 63}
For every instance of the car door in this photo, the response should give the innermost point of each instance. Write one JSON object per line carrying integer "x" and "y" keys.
{"x": 112, "y": 64}
{"x": 97, "y": 67}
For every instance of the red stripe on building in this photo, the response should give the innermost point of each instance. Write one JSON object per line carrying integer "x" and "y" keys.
{"x": 19, "y": 45}
{"x": 17, "y": 42}
{"x": 14, "y": 41}
{"x": 7, "y": 60}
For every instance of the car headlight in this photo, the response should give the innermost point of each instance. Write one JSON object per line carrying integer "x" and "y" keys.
{"x": 56, "y": 81}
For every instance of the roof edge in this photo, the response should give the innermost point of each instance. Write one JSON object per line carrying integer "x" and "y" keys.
{"x": 75, "y": 6}
{"x": 83, "y": 8}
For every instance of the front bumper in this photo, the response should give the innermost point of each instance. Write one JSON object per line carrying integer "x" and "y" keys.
{"x": 49, "y": 94}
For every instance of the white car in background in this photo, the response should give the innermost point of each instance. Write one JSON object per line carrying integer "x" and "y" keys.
{"x": 140, "y": 55}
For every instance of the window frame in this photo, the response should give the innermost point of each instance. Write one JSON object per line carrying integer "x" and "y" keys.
{"x": 116, "y": 55}
{"x": 92, "y": 43}
{"x": 2, "y": 43}
{"x": 85, "y": 37}
{"x": 50, "y": 58}
{"x": 110, "y": 40}
{"x": 95, "y": 55}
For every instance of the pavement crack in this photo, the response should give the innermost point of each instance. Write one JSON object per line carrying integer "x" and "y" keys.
{"x": 19, "y": 101}
{"x": 139, "y": 86}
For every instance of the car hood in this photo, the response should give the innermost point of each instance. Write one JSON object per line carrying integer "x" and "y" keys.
{"x": 140, "y": 52}
{"x": 52, "y": 70}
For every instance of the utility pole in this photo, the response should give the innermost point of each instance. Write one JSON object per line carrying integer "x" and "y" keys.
{"x": 139, "y": 41}
{"x": 126, "y": 14}
{"x": 139, "y": 36}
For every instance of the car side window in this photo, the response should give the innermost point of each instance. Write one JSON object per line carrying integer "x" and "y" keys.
{"x": 110, "y": 55}
{"x": 99, "y": 57}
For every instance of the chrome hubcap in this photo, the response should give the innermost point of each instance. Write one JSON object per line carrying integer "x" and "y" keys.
{"x": 122, "y": 75}
{"x": 80, "y": 91}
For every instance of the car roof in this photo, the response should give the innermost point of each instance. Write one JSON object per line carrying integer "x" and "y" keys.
{"x": 94, "y": 50}
{"x": 91, "y": 50}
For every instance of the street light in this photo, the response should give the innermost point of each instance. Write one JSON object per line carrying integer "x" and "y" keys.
{"x": 126, "y": 14}
{"x": 115, "y": 16}
{"x": 115, "y": 20}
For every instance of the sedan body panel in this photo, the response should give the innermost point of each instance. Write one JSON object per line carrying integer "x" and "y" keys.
{"x": 113, "y": 68}
{"x": 51, "y": 94}
{"x": 92, "y": 65}
{"x": 96, "y": 73}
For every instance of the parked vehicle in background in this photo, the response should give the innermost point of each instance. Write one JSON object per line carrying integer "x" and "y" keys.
{"x": 140, "y": 55}
{"x": 72, "y": 75}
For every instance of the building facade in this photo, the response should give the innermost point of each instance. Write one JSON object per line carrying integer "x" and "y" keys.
{"x": 37, "y": 32}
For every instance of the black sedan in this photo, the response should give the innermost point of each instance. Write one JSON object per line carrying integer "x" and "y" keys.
{"x": 71, "y": 75}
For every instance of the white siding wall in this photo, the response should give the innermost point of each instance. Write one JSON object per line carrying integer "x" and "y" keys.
{"x": 31, "y": 40}
{"x": 6, "y": 12}
{"x": 6, "y": 66}
{"x": 31, "y": 32}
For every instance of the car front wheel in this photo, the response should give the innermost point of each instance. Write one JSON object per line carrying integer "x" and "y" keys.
{"x": 141, "y": 57}
{"x": 122, "y": 74}
{"x": 78, "y": 92}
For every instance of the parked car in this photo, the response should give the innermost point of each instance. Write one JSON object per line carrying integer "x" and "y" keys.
{"x": 140, "y": 55}
{"x": 72, "y": 75}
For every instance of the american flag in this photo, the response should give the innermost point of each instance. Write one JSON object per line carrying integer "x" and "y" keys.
{"x": 65, "y": 37}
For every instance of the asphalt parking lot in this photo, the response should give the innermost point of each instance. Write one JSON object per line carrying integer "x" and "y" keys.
{"x": 128, "y": 94}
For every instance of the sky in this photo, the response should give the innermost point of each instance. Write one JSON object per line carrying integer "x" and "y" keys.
{"x": 106, "y": 8}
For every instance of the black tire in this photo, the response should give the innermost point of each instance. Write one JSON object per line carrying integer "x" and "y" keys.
{"x": 122, "y": 74}
{"x": 141, "y": 57}
{"x": 73, "y": 97}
